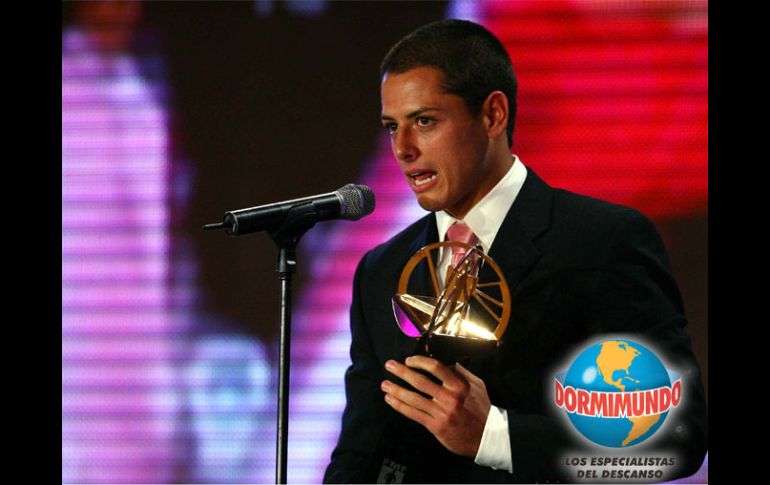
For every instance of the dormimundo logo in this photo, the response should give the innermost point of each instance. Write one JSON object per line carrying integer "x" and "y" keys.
{"x": 617, "y": 393}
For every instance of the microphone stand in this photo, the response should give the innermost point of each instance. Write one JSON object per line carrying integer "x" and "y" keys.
{"x": 299, "y": 219}
{"x": 286, "y": 237}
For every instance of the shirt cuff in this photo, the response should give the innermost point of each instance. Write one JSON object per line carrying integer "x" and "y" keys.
{"x": 495, "y": 448}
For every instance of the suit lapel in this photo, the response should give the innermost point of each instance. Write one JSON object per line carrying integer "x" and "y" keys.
{"x": 420, "y": 282}
{"x": 513, "y": 248}
{"x": 422, "y": 278}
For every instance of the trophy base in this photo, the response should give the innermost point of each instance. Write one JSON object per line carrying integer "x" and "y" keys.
{"x": 449, "y": 349}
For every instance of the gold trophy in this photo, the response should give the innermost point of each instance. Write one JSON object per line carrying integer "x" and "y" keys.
{"x": 463, "y": 317}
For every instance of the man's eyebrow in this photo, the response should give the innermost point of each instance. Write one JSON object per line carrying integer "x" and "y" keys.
{"x": 413, "y": 114}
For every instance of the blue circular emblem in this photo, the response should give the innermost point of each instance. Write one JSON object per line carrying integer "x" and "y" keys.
{"x": 617, "y": 393}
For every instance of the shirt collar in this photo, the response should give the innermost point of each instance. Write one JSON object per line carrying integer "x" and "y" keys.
{"x": 486, "y": 217}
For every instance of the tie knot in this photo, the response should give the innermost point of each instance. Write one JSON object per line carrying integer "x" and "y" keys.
{"x": 460, "y": 232}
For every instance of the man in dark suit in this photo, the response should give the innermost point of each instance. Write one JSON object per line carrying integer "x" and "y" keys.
{"x": 577, "y": 268}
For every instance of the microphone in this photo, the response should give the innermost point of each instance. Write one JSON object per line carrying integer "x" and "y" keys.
{"x": 350, "y": 202}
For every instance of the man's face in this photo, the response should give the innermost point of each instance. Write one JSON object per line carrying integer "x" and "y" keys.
{"x": 441, "y": 148}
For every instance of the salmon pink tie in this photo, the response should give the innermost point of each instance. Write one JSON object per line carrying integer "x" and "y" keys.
{"x": 460, "y": 232}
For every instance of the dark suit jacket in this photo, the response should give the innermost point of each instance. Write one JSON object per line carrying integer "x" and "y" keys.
{"x": 577, "y": 267}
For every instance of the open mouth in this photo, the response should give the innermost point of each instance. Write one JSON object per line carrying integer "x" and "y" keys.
{"x": 422, "y": 178}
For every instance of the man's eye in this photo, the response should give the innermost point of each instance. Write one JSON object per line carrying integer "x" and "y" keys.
{"x": 423, "y": 121}
{"x": 390, "y": 127}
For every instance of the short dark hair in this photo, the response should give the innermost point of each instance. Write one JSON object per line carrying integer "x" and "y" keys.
{"x": 473, "y": 61}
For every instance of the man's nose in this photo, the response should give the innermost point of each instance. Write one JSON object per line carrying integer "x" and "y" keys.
{"x": 404, "y": 145}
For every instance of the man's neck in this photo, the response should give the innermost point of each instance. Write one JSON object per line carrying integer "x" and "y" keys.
{"x": 500, "y": 167}
{"x": 486, "y": 216}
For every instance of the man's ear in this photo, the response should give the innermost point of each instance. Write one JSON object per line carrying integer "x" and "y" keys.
{"x": 495, "y": 113}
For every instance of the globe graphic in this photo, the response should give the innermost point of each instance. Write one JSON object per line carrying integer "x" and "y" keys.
{"x": 617, "y": 366}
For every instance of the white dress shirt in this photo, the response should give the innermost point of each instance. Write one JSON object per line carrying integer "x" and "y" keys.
{"x": 485, "y": 219}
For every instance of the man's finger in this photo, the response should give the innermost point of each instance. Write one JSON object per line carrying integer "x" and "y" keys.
{"x": 411, "y": 398}
{"x": 468, "y": 375}
{"x": 417, "y": 380}
{"x": 410, "y": 412}
{"x": 449, "y": 378}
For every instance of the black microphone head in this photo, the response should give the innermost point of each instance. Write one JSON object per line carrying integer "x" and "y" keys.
{"x": 357, "y": 201}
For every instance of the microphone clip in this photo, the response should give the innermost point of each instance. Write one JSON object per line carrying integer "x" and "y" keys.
{"x": 299, "y": 220}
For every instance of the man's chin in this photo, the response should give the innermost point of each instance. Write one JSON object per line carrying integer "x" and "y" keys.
{"x": 431, "y": 205}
